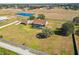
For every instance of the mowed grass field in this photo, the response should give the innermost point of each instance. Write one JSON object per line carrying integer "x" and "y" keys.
{"x": 25, "y": 35}
{"x": 56, "y": 13}
{"x": 21, "y": 34}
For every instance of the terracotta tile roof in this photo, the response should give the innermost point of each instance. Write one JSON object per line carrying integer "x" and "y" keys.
{"x": 39, "y": 21}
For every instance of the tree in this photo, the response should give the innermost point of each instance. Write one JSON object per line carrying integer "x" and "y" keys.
{"x": 31, "y": 8}
{"x": 47, "y": 31}
{"x": 41, "y": 16}
{"x": 66, "y": 29}
{"x": 31, "y": 18}
{"x": 76, "y": 20}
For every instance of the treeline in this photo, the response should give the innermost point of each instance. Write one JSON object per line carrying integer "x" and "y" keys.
{"x": 74, "y": 6}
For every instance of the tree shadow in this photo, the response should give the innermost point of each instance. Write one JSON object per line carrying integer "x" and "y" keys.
{"x": 60, "y": 32}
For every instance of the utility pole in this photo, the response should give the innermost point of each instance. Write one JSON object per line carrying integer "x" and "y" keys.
{"x": 74, "y": 44}
{"x": 74, "y": 40}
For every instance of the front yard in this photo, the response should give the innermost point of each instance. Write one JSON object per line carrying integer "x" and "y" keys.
{"x": 25, "y": 35}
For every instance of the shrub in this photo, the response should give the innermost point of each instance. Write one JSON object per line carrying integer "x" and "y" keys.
{"x": 31, "y": 18}
{"x": 66, "y": 29}
{"x": 1, "y": 36}
{"x": 47, "y": 31}
{"x": 41, "y": 16}
{"x": 41, "y": 35}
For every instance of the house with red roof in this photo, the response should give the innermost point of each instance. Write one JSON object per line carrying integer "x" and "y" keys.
{"x": 39, "y": 23}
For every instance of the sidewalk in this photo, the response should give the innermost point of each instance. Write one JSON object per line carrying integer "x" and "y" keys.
{"x": 9, "y": 24}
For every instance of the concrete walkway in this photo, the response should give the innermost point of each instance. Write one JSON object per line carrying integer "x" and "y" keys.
{"x": 16, "y": 49}
{"x": 9, "y": 24}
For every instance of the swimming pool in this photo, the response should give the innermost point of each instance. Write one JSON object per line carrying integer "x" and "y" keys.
{"x": 24, "y": 14}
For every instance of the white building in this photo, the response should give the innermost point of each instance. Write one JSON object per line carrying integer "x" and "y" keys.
{"x": 2, "y": 18}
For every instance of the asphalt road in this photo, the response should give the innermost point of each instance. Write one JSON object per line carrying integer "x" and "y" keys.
{"x": 16, "y": 49}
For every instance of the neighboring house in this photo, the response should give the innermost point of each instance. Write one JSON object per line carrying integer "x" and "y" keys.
{"x": 39, "y": 23}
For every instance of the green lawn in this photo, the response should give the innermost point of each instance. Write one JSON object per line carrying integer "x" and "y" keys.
{"x": 4, "y": 51}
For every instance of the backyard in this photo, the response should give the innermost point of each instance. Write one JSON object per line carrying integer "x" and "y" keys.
{"x": 25, "y": 35}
